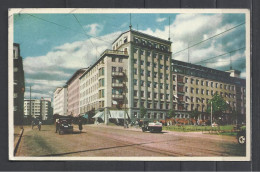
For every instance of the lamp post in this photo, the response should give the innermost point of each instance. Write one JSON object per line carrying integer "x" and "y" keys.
{"x": 124, "y": 73}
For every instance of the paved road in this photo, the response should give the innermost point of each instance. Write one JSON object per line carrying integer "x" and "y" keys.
{"x": 116, "y": 141}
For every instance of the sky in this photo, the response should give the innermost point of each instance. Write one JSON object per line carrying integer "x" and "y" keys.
{"x": 54, "y": 46}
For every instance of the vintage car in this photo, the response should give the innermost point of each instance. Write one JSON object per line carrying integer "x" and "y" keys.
{"x": 64, "y": 125}
{"x": 36, "y": 122}
{"x": 152, "y": 126}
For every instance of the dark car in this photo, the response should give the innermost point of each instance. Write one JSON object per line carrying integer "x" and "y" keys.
{"x": 64, "y": 125}
{"x": 152, "y": 126}
{"x": 241, "y": 136}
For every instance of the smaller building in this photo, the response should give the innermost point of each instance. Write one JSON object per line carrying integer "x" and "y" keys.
{"x": 73, "y": 92}
{"x": 38, "y": 108}
{"x": 60, "y": 102}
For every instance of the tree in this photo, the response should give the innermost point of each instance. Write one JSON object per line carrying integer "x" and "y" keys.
{"x": 194, "y": 114}
{"x": 143, "y": 112}
{"x": 219, "y": 105}
{"x": 171, "y": 113}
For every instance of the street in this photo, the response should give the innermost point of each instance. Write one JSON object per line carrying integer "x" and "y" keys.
{"x": 100, "y": 140}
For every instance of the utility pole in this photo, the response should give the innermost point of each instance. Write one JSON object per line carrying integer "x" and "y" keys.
{"x": 169, "y": 29}
{"x": 30, "y": 102}
{"x": 211, "y": 113}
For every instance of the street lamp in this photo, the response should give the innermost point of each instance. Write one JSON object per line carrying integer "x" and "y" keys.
{"x": 211, "y": 113}
{"x": 124, "y": 73}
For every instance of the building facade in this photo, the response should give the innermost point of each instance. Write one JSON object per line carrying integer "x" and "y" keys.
{"x": 135, "y": 74}
{"x": 60, "y": 101}
{"x": 38, "y": 108}
{"x": 19, "y": 86}
{"x": 195, "y": 85}
{"x": 73, "y": 92}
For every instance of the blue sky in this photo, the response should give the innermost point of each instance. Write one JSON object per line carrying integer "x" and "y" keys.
{"x": 54, "y": 46}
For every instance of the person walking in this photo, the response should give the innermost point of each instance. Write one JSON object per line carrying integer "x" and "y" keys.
{"x": 80, "y": 124}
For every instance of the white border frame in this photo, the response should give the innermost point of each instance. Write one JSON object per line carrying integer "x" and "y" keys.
{"x": 110, "y": 10}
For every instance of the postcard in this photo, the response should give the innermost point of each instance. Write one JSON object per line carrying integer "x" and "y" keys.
{"x": 129, "y": 84}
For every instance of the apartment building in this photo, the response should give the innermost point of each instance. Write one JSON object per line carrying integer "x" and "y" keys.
{"x": 38, "y": 108}
{"x": 60, "y": 101}
{"x": 135, "y": 73}
{"x": 194, "y": 86}
{"x": 19, "y": 86}
{"x": 73, "y": 92}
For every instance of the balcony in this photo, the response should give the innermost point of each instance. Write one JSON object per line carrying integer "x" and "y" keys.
{"x": 117, "y": 74}
{"x": 117, "y": 96}
{"x": 117, "y": 85}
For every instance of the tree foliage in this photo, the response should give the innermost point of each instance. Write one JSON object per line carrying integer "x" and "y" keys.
{"x": 219, "y": 105}
{"x": 143, "y": 112}
{"x": 194, "y": 114}
{"x": 171, "y": 113}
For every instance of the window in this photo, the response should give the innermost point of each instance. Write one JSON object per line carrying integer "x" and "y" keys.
{"x": 167, "y": 86}
{"x": 186, "y": 80}
{"x": 212, "y": 92}
{"x": 166, "y": 67}
{"x": 174, "y": 77}
{"x": 113, "y": 59}
{"x": 161, "y": 75}
{"x": 142, "y": 83}
{"x": 142, "y": 93}
{"x": 135, "y": 104}
{"x": 202, "y": 91}
{"x": 174, "y": 87}
{"x": 197, "y": 82}
{"x": 125, "y": 39}
{"x": 161, "y": 96}
{"x": 160, "y": 57}
{"x": 120, "y": 69}
{"x": 191, "y": 81}
{"x": 113, "y": 69}
{"x": 216, "y": 85}
{"x": 148, "y": 73}
{"x": 155, "y": 84}
{"x": 161, "y": 85}
{"x": 149, "y": 114}
{"x": 192, "y": 90}
{"x": 135, "y": 61}
{"x": 135, "y": 71}
{"x": 161, "y": 66}
{"x": 211, "y": 84}
{"x": 197, "y": 91}
{"x": 135, "y": 93}
{"x": 148, "y": 53}
{"x": 120, "y": 60}
{"x": 148, "y": 94}
{"x": 155, "y": 95}
{"x": 155, "y": 115}
{"x": 167, "y": 96}
{"x": 142, "y": 52}
{"x": 142, "y": 62}
{"x": 186, "y": 89}
{"x": 142, "y": 72}
{"x": 148, "y": 84}
{"x": 207, "y": 83}
{"x": 166, "y": 58}
{"x": 220, "y": 85}
{"x": 166, "y": 76}
{"x": 154, "y": 65}
{"x": 135, "y": 82}
{"x": 202, "y": 83}
{"x": 197, "y": 100}
{"x": 207, "y": 92}
{"x": 148, "y": 63}
{"x": 155, "y": 74}
{"x": 135, "y": 50}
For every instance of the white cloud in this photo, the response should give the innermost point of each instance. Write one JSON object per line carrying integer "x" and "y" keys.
{"x": 94, "y": 29}
{"x": 45, "y": 73}
{"x": 161, "y": 19}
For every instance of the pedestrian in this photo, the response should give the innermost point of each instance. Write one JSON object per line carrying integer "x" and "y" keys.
{"x": 57, "y": 124}
{"x": 80, "y": 124}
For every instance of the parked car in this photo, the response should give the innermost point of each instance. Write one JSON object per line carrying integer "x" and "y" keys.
{"x": 64, "y": 125}
{"x": 241, "y": 136}
{"x": 152, "y": 126}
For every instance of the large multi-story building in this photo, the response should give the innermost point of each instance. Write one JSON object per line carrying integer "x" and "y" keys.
{"x": 195, "y": 85}
{"x": 60, "y": 101}
{"x": 135, "y": 74}
{"x": 19, "y": 87}
{"x": 73, "y": 92}
{"x": 38, "y": 108}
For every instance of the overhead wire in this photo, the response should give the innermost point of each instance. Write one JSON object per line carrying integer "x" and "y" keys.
{"x": 209, "y": 38}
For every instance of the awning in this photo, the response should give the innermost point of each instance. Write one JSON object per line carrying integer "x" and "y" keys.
{"x": 99, "y": 115}
{"x": 116, "y": 114}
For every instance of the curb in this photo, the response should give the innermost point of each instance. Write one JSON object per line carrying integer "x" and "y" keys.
{"x": 17, "y": 145}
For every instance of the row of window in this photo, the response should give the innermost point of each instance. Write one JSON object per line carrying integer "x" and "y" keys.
{"x": 149, "y": 83}
{"x": 152, "y": 105}
{"x": 150, "y": 115}
{"x": 120, "y": 60}
{"x": 155, "y": 95}
{"x": 150, "y": 44}
{"x": 207, "y": 83}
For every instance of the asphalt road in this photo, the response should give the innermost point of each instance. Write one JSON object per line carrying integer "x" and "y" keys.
{"x": 99, "y": 140}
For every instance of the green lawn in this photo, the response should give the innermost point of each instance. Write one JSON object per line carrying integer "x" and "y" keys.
{"x": 192, "y": 128}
